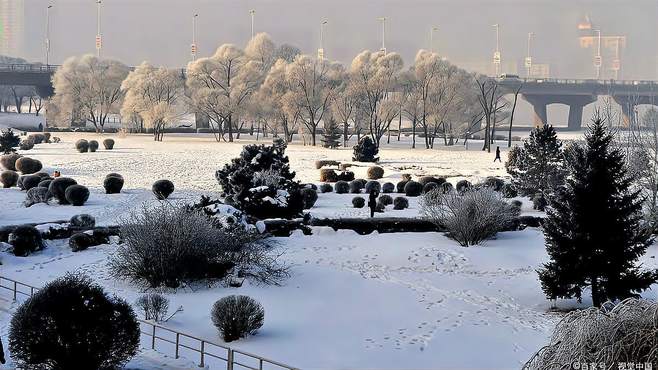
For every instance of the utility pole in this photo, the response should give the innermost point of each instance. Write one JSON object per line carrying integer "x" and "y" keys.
{"x": 528, "y": 58}
{"x": 496, "y": 56}
{"x": 99, "y": 37}
{"x": 434, "y": 28}
{"x": 48, "y": 35}
{"x": 194, "y": 47}
{"x": 383, "y": 20}
{"x": 253, "y": 13}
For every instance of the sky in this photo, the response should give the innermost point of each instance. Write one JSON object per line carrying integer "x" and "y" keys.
{"x": 160, "y": 31}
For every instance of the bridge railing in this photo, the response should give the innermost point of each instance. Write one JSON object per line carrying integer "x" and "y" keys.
{"x": 37, "y": 68}
{"x": 576, "y": 81}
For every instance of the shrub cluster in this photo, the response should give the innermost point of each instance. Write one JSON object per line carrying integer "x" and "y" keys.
{"x": 58, "y": 188}
{"x": 8, "y": 161}
{"x": 24, "y": 240}
{"x": 328, "y": 175}
{"x": 36, "y": 195}
{"x": 237, "y": 316}
{"x": 326, "y": 188}
{"x": 346, "y": 176}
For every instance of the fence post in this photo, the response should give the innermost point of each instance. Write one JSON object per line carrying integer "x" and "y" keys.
{"x": 153, "y": 338}
{"x": 203, "y": 349}
{"x": 229, "y": 359}
{"x": 177, "y": 342}
{"x": 15, "y": 289}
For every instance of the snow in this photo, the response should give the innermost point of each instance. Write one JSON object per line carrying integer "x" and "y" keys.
{"x": 385, "y": 301}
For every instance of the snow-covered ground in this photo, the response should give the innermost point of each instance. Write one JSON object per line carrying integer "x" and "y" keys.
{"x": 385, "y": 301}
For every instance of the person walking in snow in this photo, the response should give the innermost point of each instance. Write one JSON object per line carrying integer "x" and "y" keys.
{"x": 497, "y": 154}
{"x": 372, "y": 202}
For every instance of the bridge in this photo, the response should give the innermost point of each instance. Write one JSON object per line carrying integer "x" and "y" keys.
{"x": 37, "y": 75}
{"x": 579, "y": 93}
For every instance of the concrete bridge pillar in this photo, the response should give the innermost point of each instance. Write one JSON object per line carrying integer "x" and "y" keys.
{"x": 539, "y": 107}
{"x": 576, "y": 105}
{"x": 627, "y": 108}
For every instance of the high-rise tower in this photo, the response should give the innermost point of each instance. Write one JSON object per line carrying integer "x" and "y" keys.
{"x": 12, "y": 27}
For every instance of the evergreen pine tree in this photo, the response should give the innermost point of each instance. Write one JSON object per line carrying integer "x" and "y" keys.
{"x": 539, "y": 165}
{"x": 594, "y": 231}
{"x": 8, "y": 141}
{"x": 332, "y": 136}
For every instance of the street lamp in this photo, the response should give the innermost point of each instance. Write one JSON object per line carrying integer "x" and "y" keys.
{"x": 496, "y": 56}
{"x": 383, "y": 20}
{"x": 598, "y": 61}
{"x": 194, "y": 47}
{"x": 528, "y": 58}
{"x": 99, "y": 39}
{"x": 253, "y": 13}
{"x": 321, "y": 49}
{"x": 48, "y": 34}
{"x": 434, "y": 28}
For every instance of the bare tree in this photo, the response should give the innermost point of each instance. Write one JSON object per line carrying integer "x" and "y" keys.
{"x": 490, "y": 100}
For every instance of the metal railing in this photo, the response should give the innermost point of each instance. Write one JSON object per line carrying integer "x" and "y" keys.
{"x": 169, "y": 341}
{"x": 38, "y": 68}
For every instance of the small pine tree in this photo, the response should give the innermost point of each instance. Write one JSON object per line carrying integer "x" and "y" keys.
{"x": 365, "y": 150}
{"x": 8, "y": 141}
{"x": 594, "y": 231}
{"x": 539, "y": 165}
{"x": 332, "y": 135}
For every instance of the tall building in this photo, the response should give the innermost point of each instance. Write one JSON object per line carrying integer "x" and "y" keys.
{"x": 12, "y": 27}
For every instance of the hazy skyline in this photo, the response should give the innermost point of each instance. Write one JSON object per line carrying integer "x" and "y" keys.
{"x": 160, "y": 30}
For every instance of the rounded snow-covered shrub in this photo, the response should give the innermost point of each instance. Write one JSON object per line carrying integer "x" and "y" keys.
{"x": 9, "y": 178}
{"x": 328, "y": 175}
{"x": 429, "y": 187}
{"x": 342, "y": 187}
{"x": 446, "y": 187}
{"x": 82, "y": 146}
{"x": 400, "y": 203}
{"x": 58, "y": 188}
{"x": 358, "y": 202}
{"x": 71, "y": 323}
{"x": 400, "y": 186}
{"x": 45, "y": 183}
{"x": 509, "y": 191}
{"x": 463, "y": 185}
{"x": 28, "y": 166}
{"x": 380, "y": 207}
{"x": 113, "y": 184}
{"x": 108, "y": 144}
{"x": 43, "y": 176}
{"x": 539, "y": 201}
{"x": 346, "y": 176}
{"x": 26, "y": 144}
{"x": 80, "y": 241}
{"x": 162, "y": 189}
{"x": 36, "y": 195}
{"x": 356, "y": 186}
{"x": 93, "y": 145}
{"x": 310, "y": 196}
{"x": 413, "y": 189}
{"x": 375, "y": 172}
{"x": 362, "y": 181}
{"x": 77, "y": 195}
{"x": 385, "y": 199}
{"x": 114, "y": 174}
{"x": 494, "y": 183}
{"x": 326, "y": 188}
{"x": 83, "y": 220}
{"x": 36, "y": 138}
{"x": 237, "y": 316}
{"x": 388, "y": 187}
{"x": 46, "y": 137}
{"x": 30, "y": 181}
{"x": 428, "y": 179}
{"x": 8, "y": 161}
{"x": 25, "y": 239}
{"x": 373, "y": 186}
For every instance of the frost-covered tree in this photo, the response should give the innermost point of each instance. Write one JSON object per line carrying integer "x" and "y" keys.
{"x": 157, "y": 95}
{"x": 594, "y": 231}
{"x": 261, "y": 48}
{"x": 271, "y": 97}
{"x": 221, "y": 86}
{"x": 331, "y": 134}
{"x": 90, "y": 86}
{"x": 344, "y": 107}
{"x": 287, "y": 52}
{"x": 374, "y": 76}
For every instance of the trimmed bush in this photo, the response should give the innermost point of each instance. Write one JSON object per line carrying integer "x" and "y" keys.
{"x": 356, "y": 187}
{"x": 375, "y": 172}
{"x": 26, "y": 145}
{"x": 373, "y": 185}
{"x": 385, "y": 199}
{"x": 37, "y": 138}
{"x": 82, "y": 146}
{"x": 93, "y": 145}
{"x": 362, "y": 181}
{"x": 162, "y": 189}
{"x": 72, "y": 323}
{"x": 463, "y": 185}
{"x": 328, "y": 175}
{"x": 46, "y": 137}
{"x": 413, "y": 189}
{"x": 108, "y": 144}
{"x": 446, "y": 187}
{"x": 114, "y": 174}
{"x": 58, "y": 188}
{"x": 429, "y": 187}
{"x": 25, "y": 239}
{"x": 83, "y": 220}
{"x": 509, "y": 191}
{"x": 154, "y": 306}
{"x": 36, "y": 195}
{"x": 388, "y": 187}
{"x": 494, "y": 183}
{"x": 431, "y": 179}
{"x": 113, "y": 184}
{"x": 342, "y": 187}
{"x": 346, "y": 176}
{"x": 43, "y": 176}
{"x": 326, "y": 188}
{"x": 80, "y": 241}
{"x": 358, "y": 202}
{"x": 237, "y": 316}
{"x": 28, "y": 166}
{"x": 400, "y": 203}
{"x": 8, "y": 161}
{"x": 9, "y": 178}
{"x": 30, "y": 181}
{"x": 400, "y": 186}
{"x": 310, "y": 196}
{"x": 77, "y": 195}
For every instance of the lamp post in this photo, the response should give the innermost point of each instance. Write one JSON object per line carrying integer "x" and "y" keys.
{"x": 496, "y": 56}
{"x": 194, "y": 47}
{"x": 253, "y": 13}
{"x": 321, "y": 49}
{"x": 434, "y": 28}
{"x": 383, "y": 20}
{"x": 528, "y": 58}
{"x": 99, "y": 38}
{"x": 48, "y": 35}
